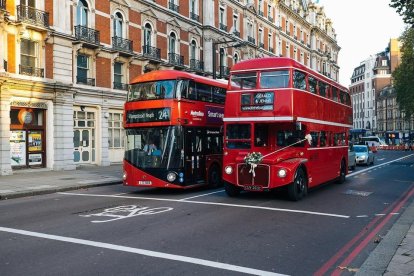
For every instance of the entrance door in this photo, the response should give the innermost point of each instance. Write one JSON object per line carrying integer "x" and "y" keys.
{"x": 195, "y": 163}
{"x": 82, "y": 146}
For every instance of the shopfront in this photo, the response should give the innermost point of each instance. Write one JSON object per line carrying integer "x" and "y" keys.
{"x": 28, "y": 137}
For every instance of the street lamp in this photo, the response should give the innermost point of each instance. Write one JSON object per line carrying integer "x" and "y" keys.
{"x": 237, "y": 45}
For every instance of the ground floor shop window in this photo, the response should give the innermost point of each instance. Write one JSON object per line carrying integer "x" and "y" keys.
{"x": 115, "y": 131}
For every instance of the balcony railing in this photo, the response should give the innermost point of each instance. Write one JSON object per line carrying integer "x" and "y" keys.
{"x": 122, "y": 44}
{"x": 236, "y": 33}
{"x": 120, "y": 86}
{"x": 172, "y": 6}
{"x": 223, "y": 27}
{"x": 224, "y": 71}
{"x": 32, "y": 16}
{"x": 176, "y": 59}
{"x": 196, "y": 64}
{"x": 251, "y": 39}
{"x": 87, "y": 81}
{"x": 151, "y": 52}
{"x": 195, "y": 17}
{"x": 31, "y": 71}
{"x": 87, "y": 34}
{"x": 2, "y": 4}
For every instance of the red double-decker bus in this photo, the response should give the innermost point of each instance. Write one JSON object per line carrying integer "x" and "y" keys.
{"x": 272, "y": 104}
{"x": 173, "y": 122}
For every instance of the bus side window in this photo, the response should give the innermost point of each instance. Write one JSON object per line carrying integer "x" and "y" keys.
{"x": 322, "y": 89}
{"x": 315, "y": 138}
{"x": 334, "y": 93}
{"x": 192, "y": 92}
{"x": 299, "y": 80}
{"x": 313, "y": 84}
{"x": 323, "y": 138}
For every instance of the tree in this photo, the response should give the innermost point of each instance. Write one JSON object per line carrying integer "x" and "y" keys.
{"x": 403, "y": 75}
{"x": 405, "y": 8}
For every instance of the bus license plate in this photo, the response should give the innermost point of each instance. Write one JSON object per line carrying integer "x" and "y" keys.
{"x": 253, "y": 188}
{"x": 146, "y": 182}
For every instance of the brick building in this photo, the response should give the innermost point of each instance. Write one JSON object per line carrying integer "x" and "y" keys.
{"x": 65, "y": 65}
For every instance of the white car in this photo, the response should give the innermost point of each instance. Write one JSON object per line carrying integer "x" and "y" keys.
{"x": 351, "y": 157}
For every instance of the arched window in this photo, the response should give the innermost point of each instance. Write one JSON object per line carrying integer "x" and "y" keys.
{"x": 235, "y": 58}
{"x": 118, "y": 25}
{"x": 82, "y": 13}
{"x": 193, "y": 50}
{"x": 147, "y": 35}
{"x": 172, "y": 44}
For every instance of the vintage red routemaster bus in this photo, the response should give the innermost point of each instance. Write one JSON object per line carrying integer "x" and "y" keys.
{"x": 174, "y": 130}
{"x": 285, "y": 125}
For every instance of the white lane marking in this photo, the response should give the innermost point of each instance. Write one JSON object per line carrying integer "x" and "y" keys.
{"x": 380, "y": 159}
{"x": 376, "y": 166}
{"x": 379, "y": 215}
{"x": 362, "y": 216}
{"x": 213, "y": 203}
{"x": 141, "y": 252}
{"x": 202, "y": 195}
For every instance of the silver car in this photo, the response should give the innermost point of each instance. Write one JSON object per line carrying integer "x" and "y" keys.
{"x": 351, "y": 156}
{"x": 364, "y": 155}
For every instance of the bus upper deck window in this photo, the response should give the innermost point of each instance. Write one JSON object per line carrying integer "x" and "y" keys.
{"x": 274, "y": 79}
{"x": 244, "y": 80}
{"x": 299, "y": 80}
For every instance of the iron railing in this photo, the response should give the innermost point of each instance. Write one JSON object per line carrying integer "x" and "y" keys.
{"x": 251, "y": 39}
{"x": 196, "y": 64}
{"x": 122, "y": 44}
{"x": 151, "y": 52}
{"x": 236, "y": 33}
{"x": 31, "y": 71}
{"x": 176, "y": 59}
{"x": 3, "y": 4}
{"x": 33, "y": 16}
{"x": 172, "y": 6}
{"x": 120, "y": 86}
{"x": 195, "y": 17}
{"x": 87, "y": 34}
{"x": 87, "y": 81}
{"x": 223, "y": 27}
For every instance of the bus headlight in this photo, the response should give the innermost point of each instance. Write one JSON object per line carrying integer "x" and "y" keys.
{"x": 228, "y": 170}
{"x": 281, "y": 173}
{"x": 171, "y": 176}
{"x": 124, "y": 176}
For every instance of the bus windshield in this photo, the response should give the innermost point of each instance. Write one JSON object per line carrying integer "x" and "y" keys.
{"x": 155, "y": 147}
{"x": 152, "y": 90}
{"x": 238, "y": 136}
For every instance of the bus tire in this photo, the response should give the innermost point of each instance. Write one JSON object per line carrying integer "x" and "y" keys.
{"x": 214, "y": 177}
{"x": 342, "y": 172}
{"x": 299, "y": 187}
{"x": 231, "y": 190}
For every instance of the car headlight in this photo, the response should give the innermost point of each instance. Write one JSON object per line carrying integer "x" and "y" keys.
{"x": 228, "y": 170}
{"x": 281, "y": 173}
{"x": 124, "y": 176}
{"x": 171, "y": 176}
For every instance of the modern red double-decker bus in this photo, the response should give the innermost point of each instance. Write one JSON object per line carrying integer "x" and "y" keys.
{"x": 285, "y": 125}
{"x": 174, "y": 130}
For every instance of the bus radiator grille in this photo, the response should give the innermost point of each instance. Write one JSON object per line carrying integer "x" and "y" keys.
{"x": 246, "y": 178}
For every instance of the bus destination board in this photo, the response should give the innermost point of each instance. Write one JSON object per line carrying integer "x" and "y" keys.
{"x": 148, "y": 115}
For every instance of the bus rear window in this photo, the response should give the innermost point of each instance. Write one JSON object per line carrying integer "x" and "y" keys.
{"x": 274, "y": 79}
{"x": 244, "y": 80}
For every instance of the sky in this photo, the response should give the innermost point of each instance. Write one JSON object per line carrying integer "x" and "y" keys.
{"x": 363, "y": 28}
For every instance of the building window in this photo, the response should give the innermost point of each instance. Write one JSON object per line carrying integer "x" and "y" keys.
{"x": 235, "y": 58}
{"x": 115, "y": 131}
{"x": 147, "y": 34}
{"x": 193, "y": 50}
{"x": 30, "y": 3}
{"x": 82, "y": 69}
{"x": 118, "y": 25}
{"x": 82, "y": 13}
{"x": 28, "y": 53}
{"x": 222, "y": 16}
{"x": 172, "y": 44}
{"x": 118, "y": 83}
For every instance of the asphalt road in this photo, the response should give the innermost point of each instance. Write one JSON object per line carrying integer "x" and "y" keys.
{"x": 116, "y": 230}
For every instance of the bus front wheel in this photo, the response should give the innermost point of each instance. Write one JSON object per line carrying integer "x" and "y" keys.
{"x": 231, "y": 190}
{"x": 299, "y": 187}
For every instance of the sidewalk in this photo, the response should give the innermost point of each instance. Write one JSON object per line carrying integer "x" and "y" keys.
{"x": 393, "y": 256}
{"x": 44, "y": 181}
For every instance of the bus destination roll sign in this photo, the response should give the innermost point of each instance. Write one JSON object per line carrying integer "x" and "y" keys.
{"x": 148, "y": 115}
{"x": 257, "y": 101}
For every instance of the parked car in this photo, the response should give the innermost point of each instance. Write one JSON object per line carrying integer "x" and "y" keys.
{"x": 351, "y": 156}
{"x": 364, "y": 155}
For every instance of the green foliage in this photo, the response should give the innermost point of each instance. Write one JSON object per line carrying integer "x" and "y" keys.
{"x": 405, "y": 8}
{"x": 404, "y": 74}
{"x": 253, "y": 158}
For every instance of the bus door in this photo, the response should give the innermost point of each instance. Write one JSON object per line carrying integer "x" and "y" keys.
{"x": 195, "y": 162}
